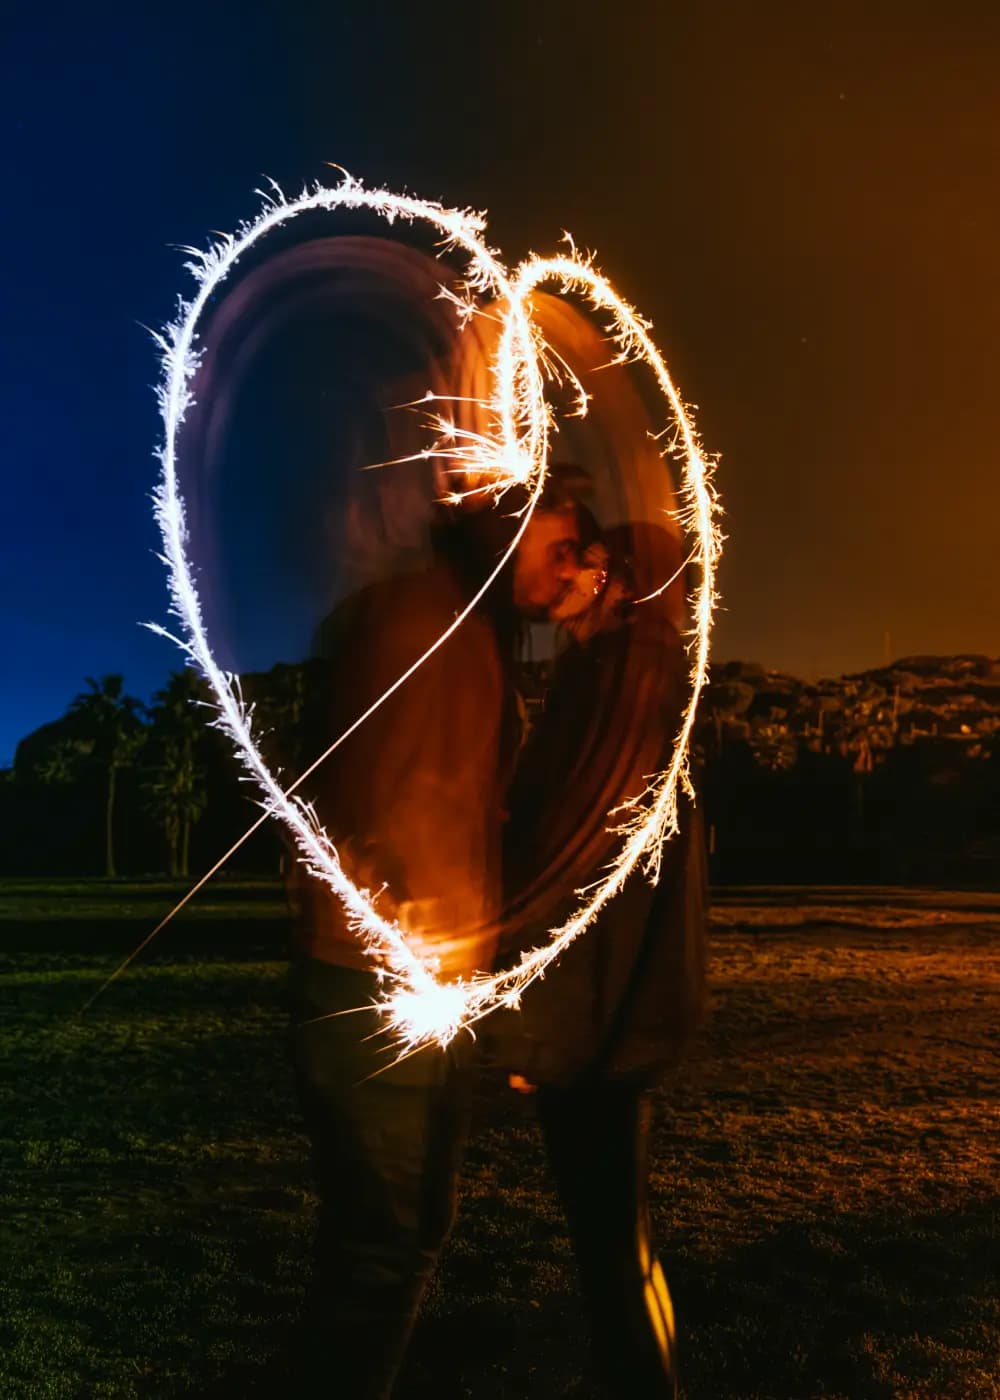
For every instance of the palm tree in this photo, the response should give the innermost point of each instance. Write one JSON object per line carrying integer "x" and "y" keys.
{"x": 175, "y": 781}
{"x": 64, "y": 762}
{"x": 111, "y": 721}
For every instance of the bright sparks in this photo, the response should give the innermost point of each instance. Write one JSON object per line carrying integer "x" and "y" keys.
{"x": 419, "y": 1008}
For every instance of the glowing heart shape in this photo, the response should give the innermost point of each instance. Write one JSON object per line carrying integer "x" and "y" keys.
{"x": 417, "y": 1005}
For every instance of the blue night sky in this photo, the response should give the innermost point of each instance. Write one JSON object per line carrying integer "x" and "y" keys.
{"x": 804, "y": 204}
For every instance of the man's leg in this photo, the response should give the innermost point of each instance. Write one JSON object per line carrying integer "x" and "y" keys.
{"x": 596, "y": 1139}
{"x": 387, "y": 1143}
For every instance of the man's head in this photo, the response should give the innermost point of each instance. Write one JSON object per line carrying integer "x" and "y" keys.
{"x": 549, "y": 559}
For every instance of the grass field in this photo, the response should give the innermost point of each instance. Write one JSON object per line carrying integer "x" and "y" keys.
{"x": 825, "y": 1166}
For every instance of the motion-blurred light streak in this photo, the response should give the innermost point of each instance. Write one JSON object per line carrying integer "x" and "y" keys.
{"x": 417, "y": 1005}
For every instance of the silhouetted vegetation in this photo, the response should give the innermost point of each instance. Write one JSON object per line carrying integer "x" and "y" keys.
{"x": 891, "y": 775}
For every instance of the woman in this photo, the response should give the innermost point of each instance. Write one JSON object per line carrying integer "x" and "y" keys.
{"x": 619, "y": 1007}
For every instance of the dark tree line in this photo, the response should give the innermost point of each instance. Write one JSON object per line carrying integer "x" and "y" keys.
{"x": 117, "y": 785}
{"x": 924, "y": 812}
{"x": 121, "y": 787}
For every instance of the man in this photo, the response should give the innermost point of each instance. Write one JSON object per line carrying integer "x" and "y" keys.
{"x": 413, "y": 801}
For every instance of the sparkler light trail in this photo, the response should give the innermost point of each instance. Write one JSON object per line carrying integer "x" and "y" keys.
{"x": 513, "y": 449}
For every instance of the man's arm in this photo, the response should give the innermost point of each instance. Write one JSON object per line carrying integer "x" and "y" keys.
{"x": 416, "y": 787}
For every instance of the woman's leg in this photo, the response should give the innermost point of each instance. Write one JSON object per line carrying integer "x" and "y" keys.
{"x": 387, "y": 1144}
{"x": 596, "y": 1139}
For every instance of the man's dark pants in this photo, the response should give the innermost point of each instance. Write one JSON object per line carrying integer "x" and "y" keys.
{"x": 387, "y": 1142}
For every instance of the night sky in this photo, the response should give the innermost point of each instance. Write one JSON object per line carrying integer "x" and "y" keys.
{"x": 803, "y": 198}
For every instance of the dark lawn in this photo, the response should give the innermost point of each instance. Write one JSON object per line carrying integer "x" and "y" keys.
{"x": 824, "y": 1186}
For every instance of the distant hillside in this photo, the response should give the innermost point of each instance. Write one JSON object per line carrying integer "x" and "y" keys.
{"x": 953, "y": 700}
